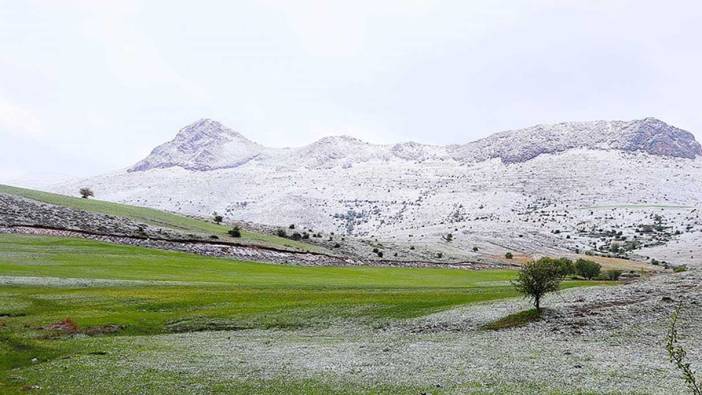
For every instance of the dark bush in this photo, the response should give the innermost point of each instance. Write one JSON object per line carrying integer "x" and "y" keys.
{"x": 235, "y": 232}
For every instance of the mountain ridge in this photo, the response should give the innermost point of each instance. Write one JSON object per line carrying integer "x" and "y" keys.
{"x": 208, "y": 145}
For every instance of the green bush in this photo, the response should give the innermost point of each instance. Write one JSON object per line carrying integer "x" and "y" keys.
{"x": 587, "y": 269}
{"x": 281, "y": 233}
{"x": 509, "y": 255}
{"x": 613, "y": 274}
{"x": 680, "y": 269}
{"x": 564, "y": 266}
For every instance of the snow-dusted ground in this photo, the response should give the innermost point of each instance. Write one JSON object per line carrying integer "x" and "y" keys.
{"x": 591, "y": 340}
{"x": 549, "y": 204}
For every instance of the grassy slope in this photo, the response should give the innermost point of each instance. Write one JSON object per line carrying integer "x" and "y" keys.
{"x": 214, "y": 294}
{"x": 155, "y": 217}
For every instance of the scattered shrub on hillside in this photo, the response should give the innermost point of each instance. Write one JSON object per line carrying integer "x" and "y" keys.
{"x": 411, "y": 247}
{"x": 440, "y": 255}
{"x": 509, "y": 255}
{"x": 337, "y": 245}
{"x": 536, "y": 279}
{"x": 475, "y": 249}
{"x": 296, "y": 236}
{"x": 380, "y": 254}
{"x": 448, "y": 238}
{"x": 614, "y": 274}
{"x": 86, "y": 193}
{"x": 281, "y": 233}
{"x": 292, "y": 226}
{"x": 375, "y": 250}
{"x": 680, "y": 269}
{"x": 235, "y": 232}
{"x": 587, "y": 269}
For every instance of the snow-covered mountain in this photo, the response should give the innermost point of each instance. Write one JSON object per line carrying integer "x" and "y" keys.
{"x": 208, "y": 145}
{"x": 568, "y": 186}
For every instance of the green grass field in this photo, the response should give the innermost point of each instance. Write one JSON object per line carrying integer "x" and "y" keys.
{"x": 158, "y": 218}
{"x": 152, "y": 292}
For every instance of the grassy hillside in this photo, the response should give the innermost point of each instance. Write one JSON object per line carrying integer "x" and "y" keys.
{"x": 156, "y": 218}
{"x": 145, "y": 292}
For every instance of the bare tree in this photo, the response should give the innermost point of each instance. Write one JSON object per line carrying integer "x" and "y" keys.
{"x": 86, "y": 193}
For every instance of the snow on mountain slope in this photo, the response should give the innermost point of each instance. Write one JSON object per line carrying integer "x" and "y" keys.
{"x": 203, "y": 145}
{"x": 546, "y": 189}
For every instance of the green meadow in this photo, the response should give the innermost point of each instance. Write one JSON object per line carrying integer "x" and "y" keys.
{"x": 109, "y": 290}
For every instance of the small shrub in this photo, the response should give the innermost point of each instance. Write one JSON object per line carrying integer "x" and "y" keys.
{"x": 613, "y": 274}
{"x": 281, "y": 233}
{"x": 680, "y": 269}
{"x": 376, "y": 250}
{"x": 235, "y": 232}
{"x": 440, "y": 255}
{"x": 292, "y": 226}
{"x": 509, "y": 255}
{"x": 380, "y": 254}
{"x": 337, "y": 245}
{"x": 475, "y": 249}
{"x": 217, "y": 218}
{"x": 296, "y": 236}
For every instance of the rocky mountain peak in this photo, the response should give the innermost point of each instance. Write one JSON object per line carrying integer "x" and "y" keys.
{"x": 208, "y": 145}
{"x": 203, "y": 145}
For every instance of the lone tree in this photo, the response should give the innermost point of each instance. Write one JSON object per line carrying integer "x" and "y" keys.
{"x": 217, "y": 218}
{"x": 509, "y": 255}
{"x": 536, "y": 279}
{"x": 86, "y": 193}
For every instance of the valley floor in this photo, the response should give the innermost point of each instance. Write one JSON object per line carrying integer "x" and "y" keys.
{"x": 150, "y": 321}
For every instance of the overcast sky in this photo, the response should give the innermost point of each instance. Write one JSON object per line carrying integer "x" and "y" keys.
{"x": 88, "y": 87}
